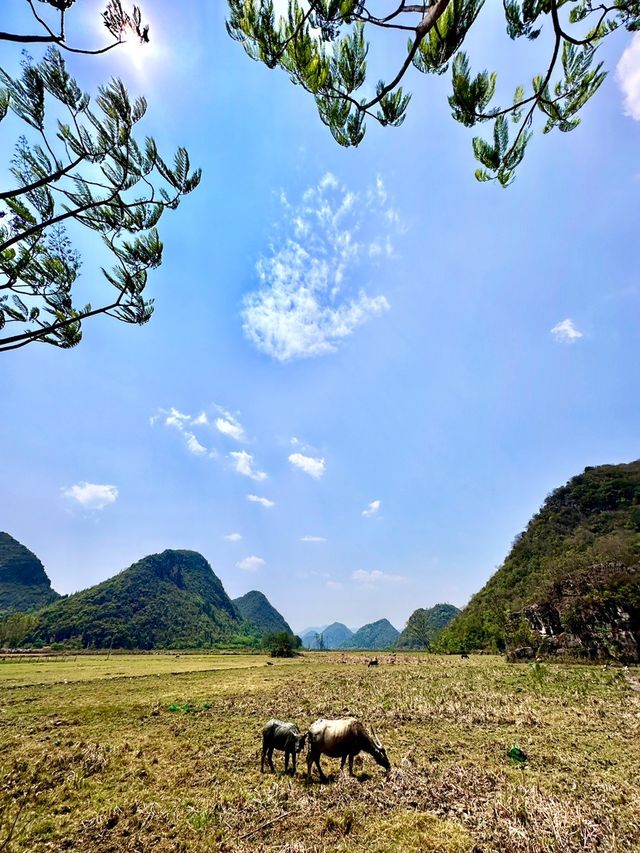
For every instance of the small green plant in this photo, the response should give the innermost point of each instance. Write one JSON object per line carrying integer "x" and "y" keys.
{"x": 188, "y": 708}
{"x": 517, "y": 755}
{"x": 538, "y": 673}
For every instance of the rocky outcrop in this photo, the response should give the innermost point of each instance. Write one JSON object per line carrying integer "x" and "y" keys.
{"x": 24, "y": 584}
{"x": 580, "y": 621}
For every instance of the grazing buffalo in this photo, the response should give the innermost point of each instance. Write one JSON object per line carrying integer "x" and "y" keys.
{"x": 283, "y": 736}
{"x": 373, "y": 662}
{"x": 342, "y": 739}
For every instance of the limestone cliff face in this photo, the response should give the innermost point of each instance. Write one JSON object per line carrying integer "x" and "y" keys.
{"x": 24, "y": 584}
{"x": 579, "y": 621}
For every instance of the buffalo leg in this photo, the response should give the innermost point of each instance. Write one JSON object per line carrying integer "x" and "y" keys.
{"x": 323, "y": 778}
{"x": 350, "y": 765}
{"x": 270, "y": 759}
{"x": 264, "y": 755}
{"x": 293, "y": 762}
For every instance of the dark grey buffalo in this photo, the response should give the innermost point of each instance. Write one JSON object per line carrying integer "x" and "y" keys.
{"x": 284, "y": 736}
{"x": 342, "y": 739}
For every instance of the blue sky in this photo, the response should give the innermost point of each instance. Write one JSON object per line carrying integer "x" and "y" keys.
{"x": 360, "y": 339}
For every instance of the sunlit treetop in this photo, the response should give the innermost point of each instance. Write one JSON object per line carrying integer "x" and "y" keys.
{"x": 323, "y": 46}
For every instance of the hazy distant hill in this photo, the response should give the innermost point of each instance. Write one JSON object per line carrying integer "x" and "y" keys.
{"x": 256, "y": 608}
{"x": 312, "y": 630}
{"x": 335, "y": 635}
{"x": 24, "y": 584}
{"x": 172, "y": 599}
{"x": 376, "y": 635}
{"x": 425, "y": 625}
{"x": 332, "y": 636}
{"x": 572, "y": 577}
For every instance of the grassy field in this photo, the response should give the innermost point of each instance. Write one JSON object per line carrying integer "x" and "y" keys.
{"x": 159, "y": 753}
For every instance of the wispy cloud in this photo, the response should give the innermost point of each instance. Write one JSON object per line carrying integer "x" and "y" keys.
{"x": 193, "y": 445}
{"x": 566, "y": 333}
{"x": 233, "y": 537}
{"x": 334, "y": 584}
{"x": 374, "y": 577}
{"x": 313, "y": 539}
{"x": 628, "y": 77}
{"x": 306, "y": 303}
{"x": 372, "y": 509}
{"x": 310, "y": 465}
{"x": 250, "y": 564}
{"x": 175, "y": 419}
{"x": 242, "y": 462}
{"x": 92, "y": 495}
{"x": 229, "y": 425}
{"x": 262, "y": 501}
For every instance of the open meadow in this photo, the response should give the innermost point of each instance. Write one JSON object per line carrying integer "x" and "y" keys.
{"x": 159, "y": 753}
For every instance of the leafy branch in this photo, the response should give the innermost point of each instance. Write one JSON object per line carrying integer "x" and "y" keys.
{"x": 118, "y": 21}
{"x": 89, "y": 170}
{"x": 323, "y": 47}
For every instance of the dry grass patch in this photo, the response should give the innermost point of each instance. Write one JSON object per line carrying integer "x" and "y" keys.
{"x": 170, "y": 762}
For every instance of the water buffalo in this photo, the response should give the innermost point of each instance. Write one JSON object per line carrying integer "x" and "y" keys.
{"x": 342, "y": 739}
{"x": 284, "y": 736}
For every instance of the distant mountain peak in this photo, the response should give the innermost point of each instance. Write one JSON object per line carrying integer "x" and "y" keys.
{"x": 166, "y": 600}
{"x": 376, "y": 635}
{"x": 255, "y": 607}
{"x": 24, "y": 584}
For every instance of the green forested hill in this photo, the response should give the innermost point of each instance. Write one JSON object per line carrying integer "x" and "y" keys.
{"x": 172, "y": 599}
{"x": 582, "y": 546}
{"x": 375, "y": 635}
{"x": 256, "y": 608}
{"x": 424, "y": 626}
{"x": 24, "y": 584}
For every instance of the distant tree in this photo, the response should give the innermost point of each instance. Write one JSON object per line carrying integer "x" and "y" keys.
{"x": 281, "y": 644}
{"x": 322, "y": 45}
{"x": 84, "y": 166}
{"x": 15, "y": 628}
{"x": 321, "y": 643}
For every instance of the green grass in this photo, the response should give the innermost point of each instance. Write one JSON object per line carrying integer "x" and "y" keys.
{"x": 102, "y": 763}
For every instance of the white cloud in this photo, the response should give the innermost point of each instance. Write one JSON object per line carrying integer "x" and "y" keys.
{"x": 372, "y": 509}
{"x": 334, "y": 584}
{"x": 250, "y": 564}
{"x": 243, "y": 464}
{"x": 313, "y": 539}
{"x": 375, "y": 577}
{"x": 566, "y": 332}
{"x": 628, "y": 77}
{"x": 92, "y": 495}
{"x": 313, "y": 467}
{"x": 262, "y": 501}
{"x": 233, "y": 537}
{"x": 306, "y": 303}
{"x": 227, "y": 424}
{"x": 193, "y": 445}
{"x": 174, "y": 419}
